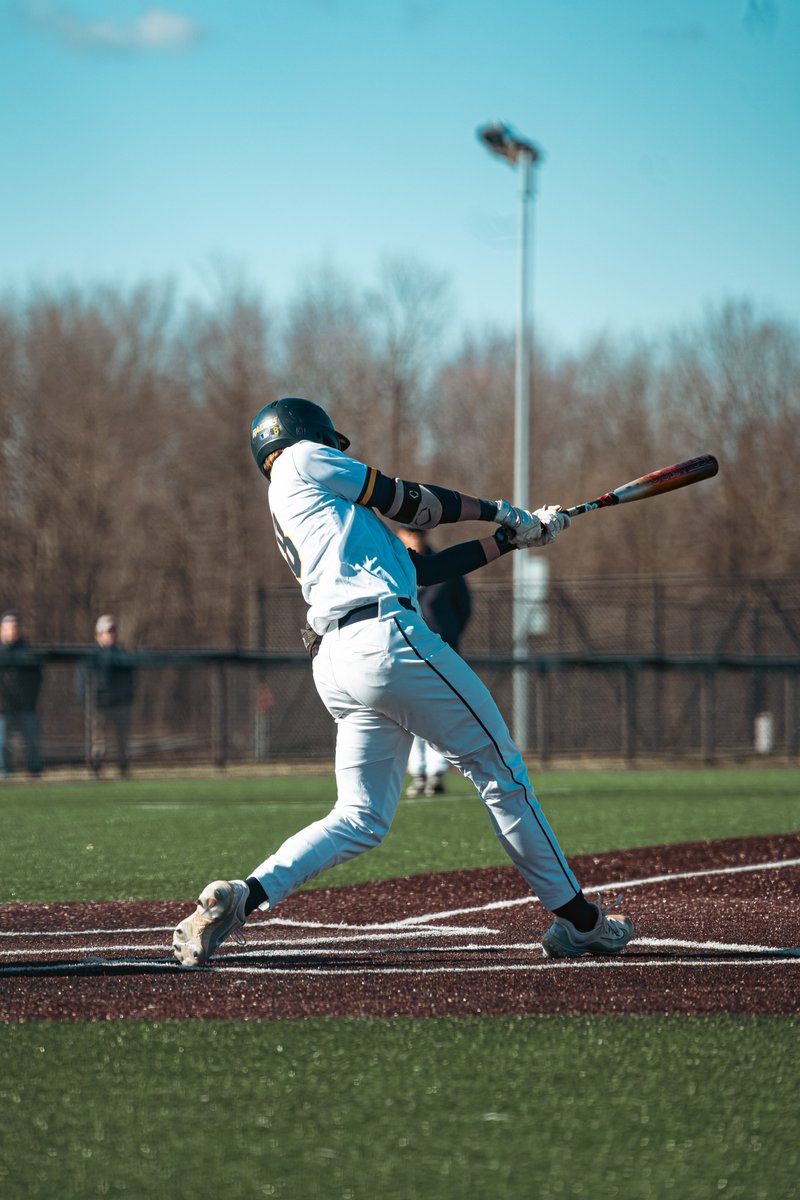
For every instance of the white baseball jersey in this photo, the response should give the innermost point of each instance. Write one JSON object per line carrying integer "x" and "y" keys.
{"x": 341, "y": 553}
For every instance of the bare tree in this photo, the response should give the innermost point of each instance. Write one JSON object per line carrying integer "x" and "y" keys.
{"x": 227, "y": 358}
{"x": 329, "y": 358}
{"x": 733, "y": 385}
{"x": 126, "y": 480}
{"x": 409, "y": 312}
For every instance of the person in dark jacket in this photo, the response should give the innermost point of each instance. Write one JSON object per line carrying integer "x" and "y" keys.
{"x": 446, "y": 608}
{"x": 106, "y": 682}
{"x": 20, "y": 685}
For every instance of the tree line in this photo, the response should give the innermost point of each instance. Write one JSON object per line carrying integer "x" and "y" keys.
{"x": 127, "y": 484}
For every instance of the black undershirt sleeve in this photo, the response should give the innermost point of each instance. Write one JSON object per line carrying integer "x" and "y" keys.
{"x": 457, "y": 560}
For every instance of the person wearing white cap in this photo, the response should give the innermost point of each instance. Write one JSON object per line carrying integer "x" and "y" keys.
{"x": 107, "y": 680}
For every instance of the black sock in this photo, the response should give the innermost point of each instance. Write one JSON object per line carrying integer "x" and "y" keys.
{"x": 580, "y": 912}
{"x": 257, "y": 895}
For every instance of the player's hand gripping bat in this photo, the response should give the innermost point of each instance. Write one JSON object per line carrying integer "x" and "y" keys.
{"x": 667, "y": 479}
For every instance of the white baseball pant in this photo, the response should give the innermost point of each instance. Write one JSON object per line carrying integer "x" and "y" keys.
{"x": 384, "y": 680}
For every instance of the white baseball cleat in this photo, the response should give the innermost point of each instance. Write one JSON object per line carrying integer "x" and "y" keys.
{"x": 219, "y": 912}
{"x": 609, "y": 936}
{"x": 416, "y": 787}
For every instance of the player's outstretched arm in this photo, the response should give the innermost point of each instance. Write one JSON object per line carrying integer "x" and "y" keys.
{"x": 426, "y": 505}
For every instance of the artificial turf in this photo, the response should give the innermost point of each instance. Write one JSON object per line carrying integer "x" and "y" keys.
{"x": 164, "y": 839}
{"x": 590, "y": 1109}
{"x": 622, "y": 1108}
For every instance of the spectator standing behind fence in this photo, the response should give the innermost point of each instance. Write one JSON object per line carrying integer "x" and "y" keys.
{"x": 106, "y": 684}
{"x": 446, "y": 608}
{"x": 20, "y": 685}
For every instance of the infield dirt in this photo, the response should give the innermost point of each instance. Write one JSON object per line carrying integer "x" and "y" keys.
{"x": 716, "y": 931}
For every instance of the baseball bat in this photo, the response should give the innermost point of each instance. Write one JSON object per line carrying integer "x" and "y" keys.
{"x": 666, "y": 479}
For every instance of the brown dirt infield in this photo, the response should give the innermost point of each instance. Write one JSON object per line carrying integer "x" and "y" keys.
{"x": 716, "y": 926}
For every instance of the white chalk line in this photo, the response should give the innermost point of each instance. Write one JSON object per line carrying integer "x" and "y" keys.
{"x": 421, "y": 919}
{"x": 302, "y": 949}
{"x": 286, "y": 921}
{"x": 608, "y": 887}
{"x": 433, "y": 931}
{"x": 616, "y": 964}
{"x": 220, "y": 968}
{"x": 415, "y": 926}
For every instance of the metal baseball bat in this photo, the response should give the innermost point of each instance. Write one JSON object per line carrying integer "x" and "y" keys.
{"x": 666, "y": 479}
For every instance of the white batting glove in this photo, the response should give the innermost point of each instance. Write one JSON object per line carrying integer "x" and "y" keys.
{"x": 538, "y": 528}
{"x": 553, "y": 522}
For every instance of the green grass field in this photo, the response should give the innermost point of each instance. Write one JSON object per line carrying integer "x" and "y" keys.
{"x": 627, "y": 1108}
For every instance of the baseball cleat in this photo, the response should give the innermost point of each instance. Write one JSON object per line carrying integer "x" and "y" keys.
{"x": 416, "y": 787}
{"x": 609, "y": 936}
{"x": 219, "y": 912}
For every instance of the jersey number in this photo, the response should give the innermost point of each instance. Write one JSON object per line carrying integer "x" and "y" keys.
{"x": 287, "y": 549}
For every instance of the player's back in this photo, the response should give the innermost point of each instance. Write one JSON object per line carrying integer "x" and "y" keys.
{"x": 341, "y": 553}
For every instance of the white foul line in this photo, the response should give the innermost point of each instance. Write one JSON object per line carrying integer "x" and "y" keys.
{"x": 603, "y": 887}
{"x": 418, "y": 926}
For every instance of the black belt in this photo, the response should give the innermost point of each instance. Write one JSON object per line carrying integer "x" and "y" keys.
{"x": 366, "y": 611}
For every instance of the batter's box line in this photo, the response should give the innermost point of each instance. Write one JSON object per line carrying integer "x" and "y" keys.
{"x": 377, "y": 927}
{"x": 617, "y": 886}
{"x": 91, "y": 967}
{"x": 434, "y": 931}
{"x": 615, "y": 964}
{"x": 141, "y": 966}
{"x": 424, "y": 919}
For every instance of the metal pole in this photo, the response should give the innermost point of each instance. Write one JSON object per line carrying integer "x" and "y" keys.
{"x": 522, "y": 471}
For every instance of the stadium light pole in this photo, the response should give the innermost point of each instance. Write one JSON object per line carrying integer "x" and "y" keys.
{"x": 502, "y": 141}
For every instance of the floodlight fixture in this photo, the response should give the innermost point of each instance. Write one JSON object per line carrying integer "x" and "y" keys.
{"x": 505, "y": 142}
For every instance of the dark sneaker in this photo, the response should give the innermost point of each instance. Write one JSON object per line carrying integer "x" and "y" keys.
{"x": 434, "y": 786}
{"x": 609, "y": 936}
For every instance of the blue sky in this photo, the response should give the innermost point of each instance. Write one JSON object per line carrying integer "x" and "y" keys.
{"x": 275, "y": 137}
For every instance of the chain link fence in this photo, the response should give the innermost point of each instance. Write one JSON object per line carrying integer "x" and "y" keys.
{"x": 632, "y": 670}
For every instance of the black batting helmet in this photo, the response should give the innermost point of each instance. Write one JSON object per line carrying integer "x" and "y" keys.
{"x": 290, "y": 420}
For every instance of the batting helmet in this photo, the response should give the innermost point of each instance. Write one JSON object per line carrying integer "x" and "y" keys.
{"x": 290, "y": 420}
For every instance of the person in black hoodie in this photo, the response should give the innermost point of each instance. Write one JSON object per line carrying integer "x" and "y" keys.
{"x": 446, "y": 608}
{"x": 20, "y": 684}
{"x": 106, "y": 681}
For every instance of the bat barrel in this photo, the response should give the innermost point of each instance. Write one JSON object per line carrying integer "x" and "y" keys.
{"x": 666, "y": 479}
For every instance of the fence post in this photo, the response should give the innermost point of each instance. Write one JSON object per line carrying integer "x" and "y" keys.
{"x": 658, "y": 649}
{"x": 88, "y": 714}
{"x": 219, "y": 716}
{"x": 790, "y": 713}
{"x": 540, "y": 692}
{"x": 629, "y": 714}
{"x": 707, "y": 715}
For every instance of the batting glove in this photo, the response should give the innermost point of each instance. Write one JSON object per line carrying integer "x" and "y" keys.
{"x": 538, "y": 528}
{"x": 553, "y": 522}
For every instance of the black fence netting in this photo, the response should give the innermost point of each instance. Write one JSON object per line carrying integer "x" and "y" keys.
{"x": 613, "y": 668}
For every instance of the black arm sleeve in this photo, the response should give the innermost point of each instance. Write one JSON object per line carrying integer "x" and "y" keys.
{"x": 457, "y": 560}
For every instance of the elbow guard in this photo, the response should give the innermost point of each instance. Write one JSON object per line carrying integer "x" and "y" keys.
{"x": 420, "y": 505}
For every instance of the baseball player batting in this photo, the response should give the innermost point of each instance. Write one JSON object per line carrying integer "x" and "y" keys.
{"x": 384, "y": 676}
